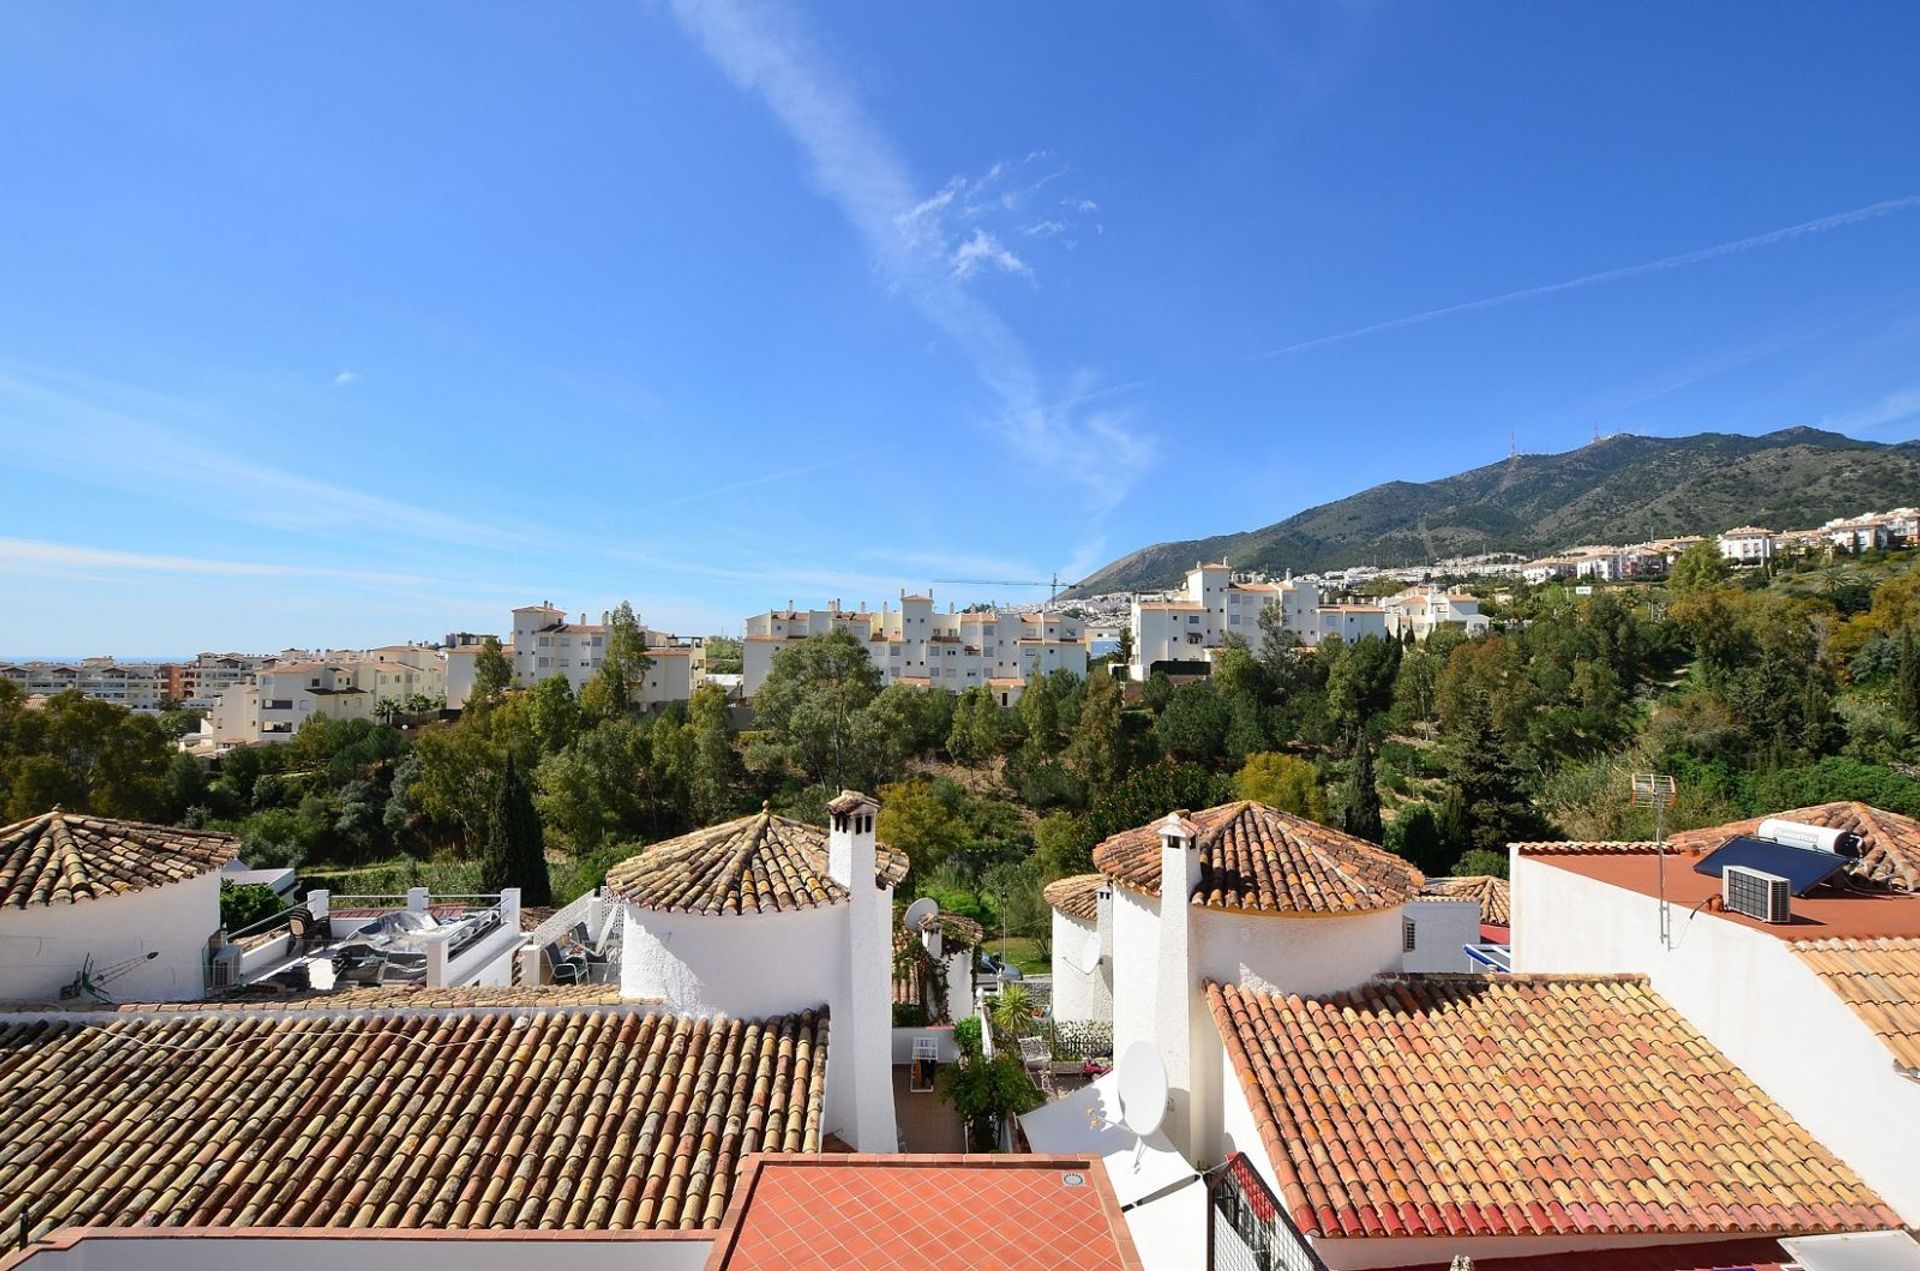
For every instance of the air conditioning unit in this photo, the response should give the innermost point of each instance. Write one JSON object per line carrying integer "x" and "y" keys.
{"x": 1757, "y": 894}
{"x": 223, "y": 967}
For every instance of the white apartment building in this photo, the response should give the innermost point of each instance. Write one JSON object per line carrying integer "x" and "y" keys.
{"x": 916, "y": 645}
{"x": 354, "y": 685}
{"x": 1422, "y": 609}
{"x": 1748, "y": 545}
{"x": 1217, "y": 604}
{"x": 211, "y": 674}
{"x": 545, "y": 644}
{"x": 139, "y": 685}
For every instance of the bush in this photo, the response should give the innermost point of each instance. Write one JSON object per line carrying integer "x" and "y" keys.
{"x": 243, "y": 904}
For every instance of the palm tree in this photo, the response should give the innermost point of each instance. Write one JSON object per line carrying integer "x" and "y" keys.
{"x": 1012, "y": 1010}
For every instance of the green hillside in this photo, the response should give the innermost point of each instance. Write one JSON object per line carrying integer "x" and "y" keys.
{"x": 1618, "y": 490}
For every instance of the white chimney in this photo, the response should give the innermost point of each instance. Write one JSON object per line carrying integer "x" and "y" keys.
{"x": 1176, "y": 990}
{"x": 860, "y": 1089}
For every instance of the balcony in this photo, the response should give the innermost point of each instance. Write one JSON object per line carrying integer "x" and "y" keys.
{"x": 332, "y": 942}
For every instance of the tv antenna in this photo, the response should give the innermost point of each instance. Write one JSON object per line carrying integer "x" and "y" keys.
{"x": 92, "y": 980}
{"x": 1656, "y": 790}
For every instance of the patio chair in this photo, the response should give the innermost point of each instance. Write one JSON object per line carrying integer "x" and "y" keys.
{"x": 561, "y": 970}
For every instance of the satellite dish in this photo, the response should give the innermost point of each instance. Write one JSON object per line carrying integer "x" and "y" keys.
{"x": 1143, "y": 1089}
{"x": 915, "y": 919}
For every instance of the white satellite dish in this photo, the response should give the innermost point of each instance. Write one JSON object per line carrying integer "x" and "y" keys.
{"x": 1143, "y": 1089}
{"x": 915, "y": 919}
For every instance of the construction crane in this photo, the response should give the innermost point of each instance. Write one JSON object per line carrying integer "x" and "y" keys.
{"x": 92, "y": 980}
{"x": 1053, "y": 585}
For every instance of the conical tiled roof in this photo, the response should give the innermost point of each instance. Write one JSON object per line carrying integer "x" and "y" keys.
{"x": 758, "y": 864}
{"x": 62, "y": 857}
{"x": 1490, "y": 891}
{"x": 1258, "y": 859}
{"x": 1076, "y": 896}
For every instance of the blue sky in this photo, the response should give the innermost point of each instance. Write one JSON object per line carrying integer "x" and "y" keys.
{"x": 345, "y": 323}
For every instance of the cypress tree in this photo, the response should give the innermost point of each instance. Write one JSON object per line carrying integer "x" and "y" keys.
{"x": 514, "y": 855}
{"x": 1360, "y": 800}
{"x": 1907, "y": 686}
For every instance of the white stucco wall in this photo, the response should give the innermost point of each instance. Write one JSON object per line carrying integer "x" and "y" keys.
{"x": 748, "y": 966}
{"x": 1077, "y": 994}
{"x": 42, "y": 947}
{"x": 1752, "y": 997}
{"x": 753, "y": 966}
{"x": 1442, "y": 929}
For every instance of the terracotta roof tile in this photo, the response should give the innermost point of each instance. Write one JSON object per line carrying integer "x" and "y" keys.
{"x": 758, "y": 864}
{"x": 62, "y": 857}
{"x": 1891, "y": 854}
{"x": 1076, "y": 896}
{"x": 1257, "y": 858}
{"x": 878, "y": 1213}
{"x": 1490, "y": 891}
{"x": 1545, "y": 1105}
{"x": 1891, "y": 842}
{"x": 1880, "y": 981}
{"x": 564, "y": 1118}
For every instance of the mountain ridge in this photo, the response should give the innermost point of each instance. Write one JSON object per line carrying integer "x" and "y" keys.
{"x": 1619, "y": 489}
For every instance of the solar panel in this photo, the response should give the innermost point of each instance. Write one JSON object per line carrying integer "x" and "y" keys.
{"x": 1804, "y": 868}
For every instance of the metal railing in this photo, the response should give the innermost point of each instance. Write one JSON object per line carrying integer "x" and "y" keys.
{"x": 1248, "y": 1229}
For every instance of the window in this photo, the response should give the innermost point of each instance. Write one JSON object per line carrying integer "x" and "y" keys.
{"x": 1409, "y": 935}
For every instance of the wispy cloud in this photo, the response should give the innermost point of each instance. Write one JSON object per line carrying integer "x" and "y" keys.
{"x": 768, "y": 478}
{"x": 345, "y": 378}
{"x": 1894, "y": 408}
{"x": 163, "y": 446}
{"x": 851, "y": 161}
{"x": 984, "y": 249}
{"x": 1872, "y": 211}
{"x": 37, "y": 554}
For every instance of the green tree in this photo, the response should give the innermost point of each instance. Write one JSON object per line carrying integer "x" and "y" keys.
{"x": 1063, "y": 845}
{"x": 1360, "y": 682}
{"x": 1493, "y": 800}
{"x": 1360, "y": 797}
{"x": 553, "y": 713}
{"x": 1479, "y": 862}
{"x": 1699, "y": 568}
{"x": 1906, "y": 698}
{"x": 922, "y": 819}
{"x": 1286, "y": 782}
{"x": 985, "y": 1091}
{"x": 1415, "y": 835}
{"x": 975, "y": 735}
{"x": 515, "y": 855}
{"x": 1195, "y": 722}
{"x": 492, "y": 676}
{"x": 1097, "y": 751}
{"x": 1151, "y": 793}
{"x": 808, "y": 704}
{"x": 716, "y": 766}
{"x": 601, "y": 789}
{"x": 243, "y": 904}
{"x": 620, "y": 681}
{"x": 83, "y": 754}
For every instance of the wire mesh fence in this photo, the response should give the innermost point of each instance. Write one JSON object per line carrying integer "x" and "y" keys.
{"x": 1249, "y": 1231}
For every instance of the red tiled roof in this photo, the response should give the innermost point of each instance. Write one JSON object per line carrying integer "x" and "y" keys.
{"x": 1490, "y": 891}
{"x": 1891, "y": 842}
{"x": 61, "y": 857}
{"x": 1465, "y": 1105}
{"x": 1076, "y": 896}
{"x": 1254, "y": 858}
{"x": 758, "y": 864}
{"x": 1761, "y": 1253}
{"x": 1879, "y": 980}
{"x": 563, "y": 1117}
{"x": 911, "y": 1213}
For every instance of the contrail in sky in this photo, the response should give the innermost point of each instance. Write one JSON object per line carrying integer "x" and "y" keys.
{"x": 1872, "y": 211}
